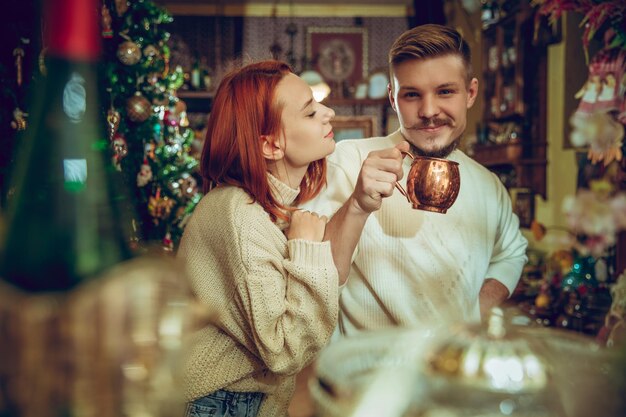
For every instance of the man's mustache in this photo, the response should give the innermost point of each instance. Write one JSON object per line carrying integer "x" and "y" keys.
{"x": 430, "y": 123}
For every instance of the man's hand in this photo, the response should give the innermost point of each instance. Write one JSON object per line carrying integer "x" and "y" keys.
{"x": 378, "y": 176}
{"x": 492, "y": 294}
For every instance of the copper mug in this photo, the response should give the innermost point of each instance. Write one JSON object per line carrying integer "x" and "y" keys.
{"x": 432, "y": 184}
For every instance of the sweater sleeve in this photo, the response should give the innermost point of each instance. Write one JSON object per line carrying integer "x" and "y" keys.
{"x": 509, "y": 252}
{"x": 290, "y": 302}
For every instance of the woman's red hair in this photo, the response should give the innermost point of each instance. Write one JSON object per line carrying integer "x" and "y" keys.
{"x": 243, "y": 110}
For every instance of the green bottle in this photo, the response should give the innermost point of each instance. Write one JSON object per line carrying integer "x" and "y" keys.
{"x": 64, "y": 222}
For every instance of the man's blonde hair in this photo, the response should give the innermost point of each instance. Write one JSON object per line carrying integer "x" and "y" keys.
{"x": 429, "y": 41}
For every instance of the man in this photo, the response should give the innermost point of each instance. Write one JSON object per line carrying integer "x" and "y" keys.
{"x": 415, "y": 267}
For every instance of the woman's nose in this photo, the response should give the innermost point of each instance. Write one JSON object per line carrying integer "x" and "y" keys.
{"x": 330, "y": 114}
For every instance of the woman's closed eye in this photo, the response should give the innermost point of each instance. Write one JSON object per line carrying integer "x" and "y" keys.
{"x": 312, "y": 114}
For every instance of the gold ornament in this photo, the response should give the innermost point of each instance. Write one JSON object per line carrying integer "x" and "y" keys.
{"x": 129, "y": 53}
{"x": 121, "y": 6}
{"x": 150, "y": 52}
{"x": 19, "y": 119}
{"x": 138, "y": 108}
{"x": 113, "y": 121}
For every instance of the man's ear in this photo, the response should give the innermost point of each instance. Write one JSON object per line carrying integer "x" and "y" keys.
{"x": 270, "y": 147}
{"x": 392, "y": 101}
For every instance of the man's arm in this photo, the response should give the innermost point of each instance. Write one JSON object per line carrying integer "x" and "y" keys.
{"x": 376, "y": 181}
{"x": 492, "y": 294}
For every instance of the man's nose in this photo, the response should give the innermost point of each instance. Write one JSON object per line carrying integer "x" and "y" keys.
{"x": 429, "y": 107}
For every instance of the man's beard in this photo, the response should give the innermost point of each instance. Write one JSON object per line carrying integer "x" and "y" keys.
{"x": 436, "y": 153}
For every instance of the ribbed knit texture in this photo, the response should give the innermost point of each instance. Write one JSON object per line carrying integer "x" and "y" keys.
{"x": 276, "y": 300}
{"x": 421, "y": 268}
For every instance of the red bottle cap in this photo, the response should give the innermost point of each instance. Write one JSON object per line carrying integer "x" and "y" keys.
{"x": 72, "y": 28}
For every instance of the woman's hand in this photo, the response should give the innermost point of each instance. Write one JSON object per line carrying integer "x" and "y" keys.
{"x": 306, "y": 225}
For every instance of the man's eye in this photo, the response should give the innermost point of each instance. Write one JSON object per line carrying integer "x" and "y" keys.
{"x": 446, "y": 92}
{"x": 411, "y": 94}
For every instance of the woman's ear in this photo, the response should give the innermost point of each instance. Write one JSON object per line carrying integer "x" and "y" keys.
{"x": 270, "y": 146}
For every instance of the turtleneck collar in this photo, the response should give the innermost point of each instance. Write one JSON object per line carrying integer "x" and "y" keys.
{"x": 281, "y": 191}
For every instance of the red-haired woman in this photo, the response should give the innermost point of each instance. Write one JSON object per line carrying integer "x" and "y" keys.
{"x": 255, "y": 260}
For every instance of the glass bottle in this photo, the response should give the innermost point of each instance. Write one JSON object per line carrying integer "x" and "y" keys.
{"x": 63, "y": 223}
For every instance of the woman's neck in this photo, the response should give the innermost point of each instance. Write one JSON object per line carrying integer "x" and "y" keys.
{"x": 290, "y": 176}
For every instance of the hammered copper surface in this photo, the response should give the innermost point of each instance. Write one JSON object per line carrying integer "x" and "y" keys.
{"x": 432, "y": 184}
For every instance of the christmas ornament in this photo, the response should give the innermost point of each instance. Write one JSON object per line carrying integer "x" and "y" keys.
{"x": 113, "y": 121}
{"x": 169, "y": 117}
{"x": 107, "y": 32}
{"x": 150, "y": 52}
{"x": 121, "y": 6}
{"x": 145, "y": 174}
{"x": 186, "y": 186}
{"x": 159, "y": 207}
{"x": 168, "y": 243}
{"x": 138, "y": 108}
{"x": 582, "y": 274}
{"x": 18, "y": 53}
{"x": 19, "y": 119}
{"x": 128, "y": 53}
{"x": 120, "y": 150}
{"x": 41, "y": 61}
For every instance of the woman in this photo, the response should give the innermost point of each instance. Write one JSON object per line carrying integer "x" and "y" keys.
{"x": 255, "y": 260}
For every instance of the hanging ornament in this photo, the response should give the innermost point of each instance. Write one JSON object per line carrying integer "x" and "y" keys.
{"x": 120, "y": 150}
{"x": 181, "y": 111}
{"x": 159, "y": 207}
{"x": 138, "y": 108}
{"x": 150, "y": 52}
{"x": 128, "y": 53}
{"x": 18, "y": 53}
{"x": 150, "y": 150}
{"x": 113, "y": 121}
{"x": 188, "y": 185}
{"x": 145, "y": 174}
{"x": 121, "y": 6}
{"x": 169, "y": 117}
{"x": 168, "y": 243}
{"x": 19, "y": 119}
{"x": 41, "y": 61}
{"x": 107, "y": 32}
{"x": 152, "y": 78}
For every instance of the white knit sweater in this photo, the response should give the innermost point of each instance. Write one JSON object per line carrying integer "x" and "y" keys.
{"x": 276, "y": 300}
{"x": 415, "y": 267}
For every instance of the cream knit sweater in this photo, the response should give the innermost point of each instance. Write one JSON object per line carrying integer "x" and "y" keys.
{"x": 276, "y": 300}
{"x": 420, "y": 268}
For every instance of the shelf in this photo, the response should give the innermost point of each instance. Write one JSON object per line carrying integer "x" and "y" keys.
{"x": 194, "y": 94}
{"x": 514, "y": 113}
{"x": 498, "y": 154}
{"x": 197, "y": 101}
{"x": 356, "y": 101}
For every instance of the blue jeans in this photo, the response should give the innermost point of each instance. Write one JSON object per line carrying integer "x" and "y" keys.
{"x": 225, "y": 404}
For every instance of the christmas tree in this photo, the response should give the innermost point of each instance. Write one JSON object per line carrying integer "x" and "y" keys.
{"x": 148, "y": 126}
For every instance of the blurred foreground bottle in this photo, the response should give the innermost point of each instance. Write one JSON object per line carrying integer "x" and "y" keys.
{"x": 86, "y": 329}
{"x": 64, "y": 223}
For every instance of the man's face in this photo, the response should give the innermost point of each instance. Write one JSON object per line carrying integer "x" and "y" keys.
{"x": 431, "y": 97}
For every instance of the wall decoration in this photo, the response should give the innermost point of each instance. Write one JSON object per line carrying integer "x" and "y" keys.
{"x": 340, "y": 54}
{"x": 353, "y": 127}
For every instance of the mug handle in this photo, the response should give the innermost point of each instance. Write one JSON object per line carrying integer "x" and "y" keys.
{"x": 398, "y": 186}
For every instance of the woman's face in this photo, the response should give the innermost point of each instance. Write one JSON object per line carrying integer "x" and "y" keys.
{"x": 307, "y": 134}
